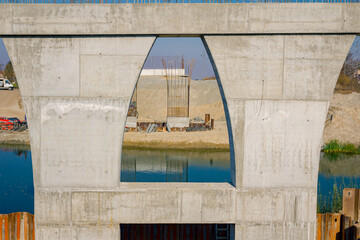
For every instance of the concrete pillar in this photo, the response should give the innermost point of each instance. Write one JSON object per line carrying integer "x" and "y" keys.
{"x": 277, "y": 90}
{"x": 76, "y": 93}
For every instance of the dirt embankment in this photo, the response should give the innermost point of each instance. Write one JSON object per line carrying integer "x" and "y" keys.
{"x": 345, "y": 123}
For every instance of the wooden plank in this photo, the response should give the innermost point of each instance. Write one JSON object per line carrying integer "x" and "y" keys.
{"x": 26, "y": 232}
{"x": 1, "y": 227}
{"x": 18, "y": 226}
{"x": 320, "y": 226}
{"x": 350, "y": 205}
{"x": 332, "y": 226}
{"x": 7, "y": 227}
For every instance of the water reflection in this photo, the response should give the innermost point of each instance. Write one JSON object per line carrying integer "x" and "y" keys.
{"x": 336, "y": 172}
{"x": 16, "y": 180}
{"x": 174, "y": 166}
{"x": 20, "y": 151}
{"x": 339, "y": 164}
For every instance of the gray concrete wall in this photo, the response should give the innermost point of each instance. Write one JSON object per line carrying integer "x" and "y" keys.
{"x": 232, "y": 18}
{"x": 76, "y": 93}
{"x": 277, "y": 90}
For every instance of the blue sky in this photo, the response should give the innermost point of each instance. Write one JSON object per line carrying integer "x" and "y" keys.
{"x": 4, "y": 58}
{"x": 190, "y": 48}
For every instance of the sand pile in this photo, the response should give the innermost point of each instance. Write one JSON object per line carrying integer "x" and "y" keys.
{"x": 345, "y": 124}
{"x": 11, "y": 105}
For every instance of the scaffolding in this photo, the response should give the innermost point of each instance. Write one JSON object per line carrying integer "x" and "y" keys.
{"x": 178, "y": 86}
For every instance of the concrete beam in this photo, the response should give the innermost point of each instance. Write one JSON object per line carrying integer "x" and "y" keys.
{"x": 143, "y": 19}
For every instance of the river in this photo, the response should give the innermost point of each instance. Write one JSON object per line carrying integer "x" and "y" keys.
{"x": 140, "y": 165}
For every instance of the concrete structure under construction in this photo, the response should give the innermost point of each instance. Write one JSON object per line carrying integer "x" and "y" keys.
{"x": 276, "y": 65}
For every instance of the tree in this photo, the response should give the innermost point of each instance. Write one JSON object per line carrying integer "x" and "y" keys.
{"x": 9, "y": 72}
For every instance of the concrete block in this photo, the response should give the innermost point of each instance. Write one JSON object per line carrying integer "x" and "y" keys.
{"x": 310, "y": 79}
{"x": 276, "y": 18}
{"x": 127, "y": 207}
{"x": 52, "y": 207}
{"x": 98, "y": 232}
{"x": 249, "y": 67}
{"x": 110, "y": 67}
{"x": 260, "y": 206}
{"x": 326, "y": 47}
{"x": 207, "y": 18}
{"x": 45, "y": 20}
{"x": 55, "y": 232}
{"x": 312, "y": 65}
{"x": 88, "y": 232}
{"x": 191, "y": 207}
{"x": 85, "y": 207}
{"x": 282, "y": 141}
{"x": 162, "y": 206}
{"x": 217, "y": 207}
{"x": 54, "y": 65}
{"x": 351, "y": 20}
{"x": 6, "y": 19}
{"x": 81, "y": 141}
{"x": 178, "y": 122}
{"x": 275, "y": 231}
{"x": 117, "y": 46}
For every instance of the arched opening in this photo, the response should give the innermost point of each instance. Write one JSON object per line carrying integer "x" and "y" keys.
{"x": 177, "y": 128}
{"x": 339, "y": 159}
{"x": 16, "y": 173}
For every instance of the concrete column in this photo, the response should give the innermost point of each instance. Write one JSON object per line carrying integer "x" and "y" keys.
{"x": 76, "y": 93}
{"x": 277, "y": 90}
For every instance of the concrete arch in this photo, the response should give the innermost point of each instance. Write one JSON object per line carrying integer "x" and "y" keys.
{"x": 267, "y": 81}
{"x": 63, "y": 80}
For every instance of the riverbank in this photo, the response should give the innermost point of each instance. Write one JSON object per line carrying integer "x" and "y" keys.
{"x": 14, "y": 138}
{"x": 216, "y": 139}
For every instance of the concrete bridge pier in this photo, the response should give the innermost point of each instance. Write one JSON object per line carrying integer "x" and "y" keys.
{"x": 277, "y": 89}
{"x": 76, "y": 93}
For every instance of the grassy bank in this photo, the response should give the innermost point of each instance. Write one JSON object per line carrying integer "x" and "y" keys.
{"x": 334, "y": 146}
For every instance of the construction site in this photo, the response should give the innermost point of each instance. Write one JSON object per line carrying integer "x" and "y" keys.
{"x": 168, "y": 100}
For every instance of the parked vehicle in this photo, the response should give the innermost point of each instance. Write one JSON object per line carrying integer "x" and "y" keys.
{"x": 5, "y": 84}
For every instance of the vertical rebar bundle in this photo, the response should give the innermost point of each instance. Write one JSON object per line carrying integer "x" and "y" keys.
{"x": 178, "y": 78}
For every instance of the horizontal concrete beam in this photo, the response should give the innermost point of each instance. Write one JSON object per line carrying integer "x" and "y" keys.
{"x": 175, "y": 203}
{"x": 178, "y": 19}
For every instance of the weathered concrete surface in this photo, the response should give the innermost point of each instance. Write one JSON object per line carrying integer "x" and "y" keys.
{"x": 76, "y": 131}
{"x": 277, "y": 91}
{"x": 197, "y": 19}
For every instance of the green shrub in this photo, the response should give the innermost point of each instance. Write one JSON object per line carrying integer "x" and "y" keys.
{"x": 335, "y": 147}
